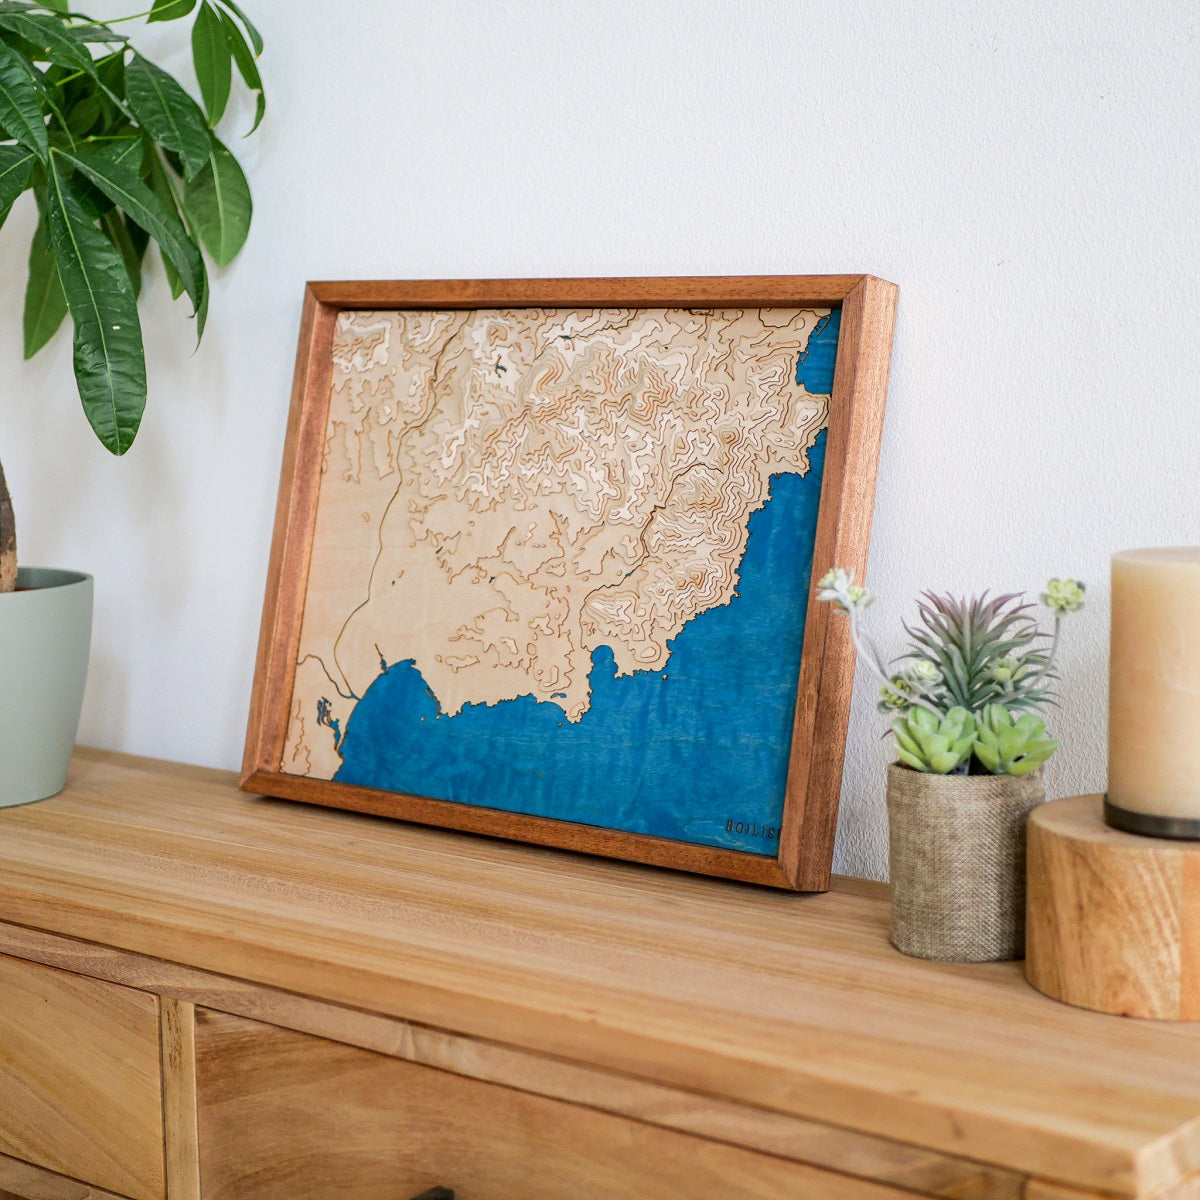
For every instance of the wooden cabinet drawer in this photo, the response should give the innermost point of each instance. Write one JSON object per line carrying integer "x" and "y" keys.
{"x": 79, "y": 1078}
{"x": 283, "y": 1114}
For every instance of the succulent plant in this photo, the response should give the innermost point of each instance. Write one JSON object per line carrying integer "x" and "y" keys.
{"x": 927, "y": 743}
{"x": 1063, "y": 595}
{"x": 895, "y": 695}
{"x": 962, "y": 695}
{"x": 1011, "y": 746}
{"x": 987, "y": 650}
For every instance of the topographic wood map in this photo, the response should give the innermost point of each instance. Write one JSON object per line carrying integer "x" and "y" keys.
{"x": 561, "y": 562}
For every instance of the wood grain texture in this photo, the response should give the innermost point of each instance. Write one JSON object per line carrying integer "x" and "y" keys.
{"x": 24, "y": 1181}
{"x": 565, "y": 835}
{"x": 843, "y": 538}
{"x": 823, "y": 695}
{"x": 1039, "y": 1189}
{"x": 80, "y": 1055}
{"x": 793, "y": 1004}
{"x": 181, "y": 1136}
{"x": 268, "y": 1096}
{"x": 291, "y": 543}
{"x": 681, "y": 291}
{"x": 1113, "y": 918}
{"x": 919, "y": 1169}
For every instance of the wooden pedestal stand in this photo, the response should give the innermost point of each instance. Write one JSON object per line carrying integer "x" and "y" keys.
{"x": 1113, "y": 919}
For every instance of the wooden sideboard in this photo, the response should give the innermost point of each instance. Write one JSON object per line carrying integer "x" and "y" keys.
{"x": 208, "y": 994}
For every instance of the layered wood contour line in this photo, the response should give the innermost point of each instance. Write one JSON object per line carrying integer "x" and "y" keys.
{"x": 344, "y": 1006}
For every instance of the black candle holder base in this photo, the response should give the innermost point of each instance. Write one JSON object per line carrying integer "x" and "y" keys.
{"x": 1184, "y": 829}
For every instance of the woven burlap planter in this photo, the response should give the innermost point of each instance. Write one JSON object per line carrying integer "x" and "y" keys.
{"x": 958, "y": 863}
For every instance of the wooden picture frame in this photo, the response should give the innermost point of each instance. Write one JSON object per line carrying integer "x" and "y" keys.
{"x": 799, "y": 852}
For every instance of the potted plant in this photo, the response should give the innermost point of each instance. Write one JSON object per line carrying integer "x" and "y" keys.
{"x": 964, "y": 701}
{"x": 116, "y": 154}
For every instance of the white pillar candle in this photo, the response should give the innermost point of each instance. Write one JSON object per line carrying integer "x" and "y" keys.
{"x": 1154, "y": 683}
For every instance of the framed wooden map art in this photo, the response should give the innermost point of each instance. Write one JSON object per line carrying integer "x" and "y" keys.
{"x": 543, "y": 561}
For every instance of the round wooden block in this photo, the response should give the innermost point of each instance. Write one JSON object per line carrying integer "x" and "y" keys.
{"x": 1112, "y": 919}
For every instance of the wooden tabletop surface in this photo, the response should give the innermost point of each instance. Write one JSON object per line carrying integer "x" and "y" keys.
{"x": 793, "y": 1003}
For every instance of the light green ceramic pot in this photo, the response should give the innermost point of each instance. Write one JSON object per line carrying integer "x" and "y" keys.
{"x": 45, "y": 636}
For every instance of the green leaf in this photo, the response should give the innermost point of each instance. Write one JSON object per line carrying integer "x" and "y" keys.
{"x": 83, "y": 116}
{"x": 125, "y": 188}
{"x": 20, "y": 112}
{"x": 118, "y": 234}
{"x": 45, "y": 304}
{"x": 16, "y": 166}
{"x": 96, "y": 32}
{"x": 139, "y": 237}
{"x": 59, "y": 6}
{"x": 123, "y": 150}
{"x": 212, "y": 58}
{"x": 247, "y": 67}
{"x": 260, "y": 109}
{"x": 255, "y": 37}
{"x": 988, "y": 756}
{"x": 218, "y": 203}
{"x": 170, "y": 10}
{"x": 167, "y": 113}
{"x": 110, "y": 70}
{"x": 173, "y": 280}
{"x": 110, "y": 364}
{"x": 162, "y": 187}
{"x": 91, "y": 199}
{"x": 52, "y": 39}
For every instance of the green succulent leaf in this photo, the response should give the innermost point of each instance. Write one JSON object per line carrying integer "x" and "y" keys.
{"x": 20, "y": 111}
{"x": 217, "y": 202}
{"x": 905, "y": 742}
{"x": 213, "y": 59}
{"x": 110, "y": 367}
{"x": 170, "y": 10}
{"x": 45, "y": 304}
{"x": 922, "y": 718}
{"x": 139, "y": 203}
{"x": 168, "y": 113}
{"x": 926, "y": 742}
{"x": 988, "y": 756}
{"x": 1011, "y": 746}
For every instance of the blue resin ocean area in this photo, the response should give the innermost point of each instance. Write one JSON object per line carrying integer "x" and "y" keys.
{"x": 697, "y": 752}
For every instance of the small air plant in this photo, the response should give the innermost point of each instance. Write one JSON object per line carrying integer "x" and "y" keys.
{"x": 964, "y": 696}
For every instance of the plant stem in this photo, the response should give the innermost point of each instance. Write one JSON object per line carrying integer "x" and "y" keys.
{"x": 8, "y": 539}
{"x": 121, "y": 20}
{"x": 866, "y": 647}
{"x": 1058, "y": 619}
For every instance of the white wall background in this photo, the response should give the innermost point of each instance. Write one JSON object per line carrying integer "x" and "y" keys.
{"x": 1029, "y": 174}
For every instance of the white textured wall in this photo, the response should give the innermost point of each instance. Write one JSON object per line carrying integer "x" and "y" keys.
{"x": 1027, "y": 173}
